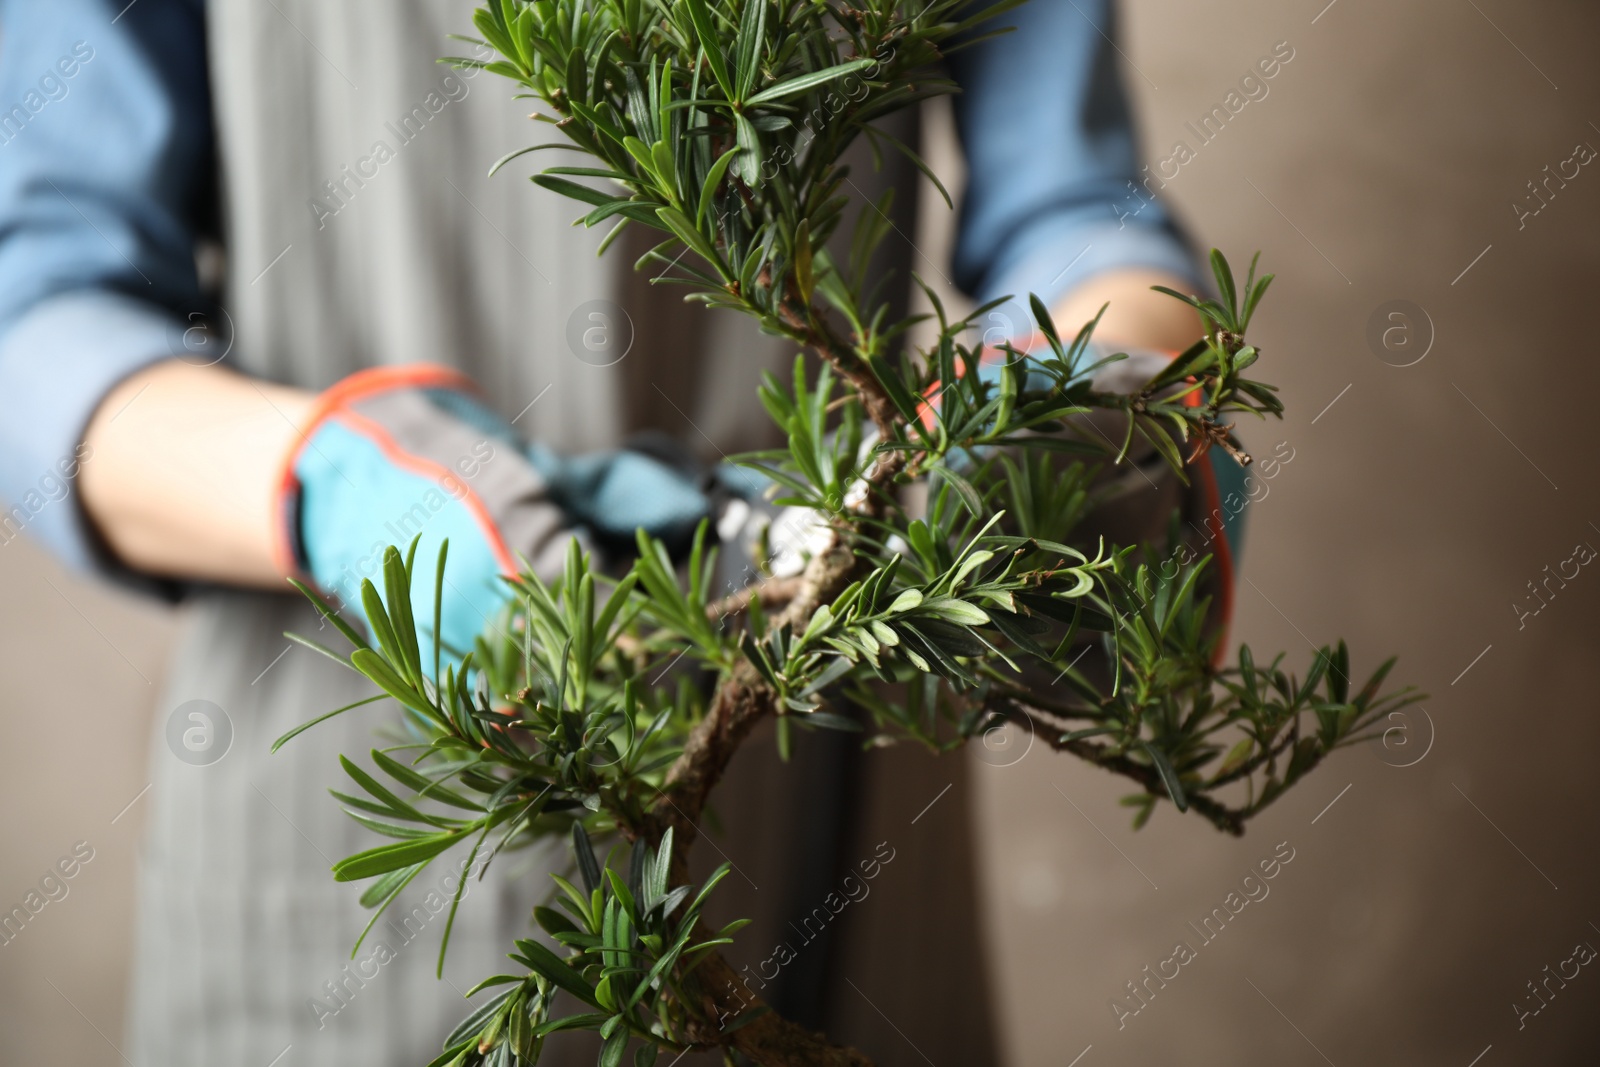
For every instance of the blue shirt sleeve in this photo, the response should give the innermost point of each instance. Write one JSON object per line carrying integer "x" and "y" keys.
{"x": 105, "y": 174}
{"x": 1054, "y": 193}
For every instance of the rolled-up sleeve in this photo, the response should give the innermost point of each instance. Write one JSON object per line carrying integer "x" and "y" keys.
{"x": 105, "y": 150}
{"x": 1054, "y": 193}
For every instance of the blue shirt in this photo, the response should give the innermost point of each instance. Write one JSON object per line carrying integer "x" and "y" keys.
{"x": 106, "y": 175}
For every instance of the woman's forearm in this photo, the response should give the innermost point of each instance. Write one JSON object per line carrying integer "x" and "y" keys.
{"x": 185, "y": 464}
{"x": 1137, "y": 316}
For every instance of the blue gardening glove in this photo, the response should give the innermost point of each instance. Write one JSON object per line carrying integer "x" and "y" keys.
{"x": 394, "y": 453}
{"x": 614, "y": 494}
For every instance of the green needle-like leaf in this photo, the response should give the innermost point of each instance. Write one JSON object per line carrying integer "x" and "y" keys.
{"x": 711, "y": 45}
{"x": 806, "y": 81}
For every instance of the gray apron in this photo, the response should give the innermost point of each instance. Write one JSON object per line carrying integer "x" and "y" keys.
{"x": 361, "y": 230}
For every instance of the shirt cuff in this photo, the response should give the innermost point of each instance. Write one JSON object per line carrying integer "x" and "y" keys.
{"x": 1056, "y": 257}
{"x": 57, "y": 362}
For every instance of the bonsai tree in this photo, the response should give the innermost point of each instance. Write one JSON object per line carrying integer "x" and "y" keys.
{"x": 925, "y": 617}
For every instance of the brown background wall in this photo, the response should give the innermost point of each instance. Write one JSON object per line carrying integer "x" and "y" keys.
{"x": 1413, "y": 514}
{"x": 1384, "y": 161}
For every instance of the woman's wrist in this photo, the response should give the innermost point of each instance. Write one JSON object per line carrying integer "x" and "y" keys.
{"x": 186, "y": 460}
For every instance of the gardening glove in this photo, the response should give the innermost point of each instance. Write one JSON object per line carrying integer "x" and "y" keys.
{"x": 649, "y": 485}
{"x": 394, "y": 453}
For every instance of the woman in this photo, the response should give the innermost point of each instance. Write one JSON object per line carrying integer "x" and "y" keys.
{"x": 341, "y": 172}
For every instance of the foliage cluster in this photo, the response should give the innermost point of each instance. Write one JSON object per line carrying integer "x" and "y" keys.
{"x": 928, "y": 617}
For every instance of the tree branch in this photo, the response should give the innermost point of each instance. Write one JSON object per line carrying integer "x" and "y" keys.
{"x": 712, "y": 991}
{"x": 811, "y": 330}
{"x": 741, "y": 699}
{"x": 1228, "y": 820}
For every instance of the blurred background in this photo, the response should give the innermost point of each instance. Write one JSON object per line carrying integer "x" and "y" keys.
{"x": 1442, "y": 461}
